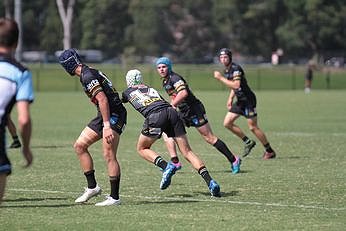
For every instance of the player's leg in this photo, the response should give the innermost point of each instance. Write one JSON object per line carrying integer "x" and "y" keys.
{"x": 172, "y": 150}
{"x": 143, "y": 147}
{"x": 3, "y": 177}
{"x": 207, "y": 134}
{"x": 229, "y": 120}
{"x": 197, "y": 164}
{"x": 113, "y": 168}
{"x": 269, "y": 152}
{"x": 87, "y": 138}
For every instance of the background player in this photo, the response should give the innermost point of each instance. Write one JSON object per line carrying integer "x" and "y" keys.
{"x": 245, "y": 104}
{"x": 191, "y": 110}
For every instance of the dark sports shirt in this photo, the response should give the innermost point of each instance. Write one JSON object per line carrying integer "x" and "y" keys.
{"x": 175, "y": 83}
{"x": 144, "y": 99}
{"x": 243, "y": 93}
{"x": 94, "y": 81}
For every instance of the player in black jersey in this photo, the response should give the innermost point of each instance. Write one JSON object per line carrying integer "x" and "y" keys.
{"x": 191, "y": 110}
{"x": 161, "y": 117}
{"x": 245, "y": 105}
{"x": 107, "y": 125}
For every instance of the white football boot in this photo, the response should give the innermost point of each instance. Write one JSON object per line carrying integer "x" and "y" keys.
{"x": 109, "y": 201}
{"x": 89, "y": 193}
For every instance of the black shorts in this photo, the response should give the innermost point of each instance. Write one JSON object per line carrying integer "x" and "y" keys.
{"x": 117, "y": 122}
{"x": 194, "y": 116}
{"x": 246, "y": 110}
{"x": 5, "y": 165}
{"x": 166, "y": 120}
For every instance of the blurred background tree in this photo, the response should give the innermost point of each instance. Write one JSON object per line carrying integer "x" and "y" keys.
{"x": 189, "y": 30}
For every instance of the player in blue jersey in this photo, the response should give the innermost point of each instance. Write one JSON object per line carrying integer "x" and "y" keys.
{"x": 161, "y": 117}
{"x": 15, "y": 88}
{"x": 107, "y": 125}
{"x": 244, "y": 105}
{"x": 191, "y": 110}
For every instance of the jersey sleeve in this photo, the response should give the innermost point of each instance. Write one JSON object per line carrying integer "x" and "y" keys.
{"x": 92, "y": 85}
{"x": 25, "y": 90}
{"x": 178, "y": 83}
{"x": 237, "y": 73}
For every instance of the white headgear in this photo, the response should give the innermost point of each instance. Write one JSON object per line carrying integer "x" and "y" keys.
{"x": 133, "y": 77}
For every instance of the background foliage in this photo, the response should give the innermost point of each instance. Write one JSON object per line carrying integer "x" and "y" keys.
{"x": 191, "y": 30}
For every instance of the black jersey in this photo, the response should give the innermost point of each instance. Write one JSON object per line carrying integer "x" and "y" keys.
{"x": 243, "y": 93}
{"x": 175, "y": 83}
{"x": 94, "y": 81}
{"x": 144, "y": 99}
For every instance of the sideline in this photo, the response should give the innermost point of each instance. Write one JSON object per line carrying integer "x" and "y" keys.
{"x": 195, "y": 200}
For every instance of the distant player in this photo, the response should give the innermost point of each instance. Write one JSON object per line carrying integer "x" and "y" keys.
{"x": 245, "y": 104}
{"x": 191, "y": 110}
{"x": 15, "y": 88}
{"x": 161, "y": 117}
{"x": 107, "y": 126}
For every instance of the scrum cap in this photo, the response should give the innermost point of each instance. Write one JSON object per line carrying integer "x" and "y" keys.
{"x": 70, "y": 60}
{"x": 166, "y": 61}
{"x": 133, "y": 77}
{"x": 225, "y": 51}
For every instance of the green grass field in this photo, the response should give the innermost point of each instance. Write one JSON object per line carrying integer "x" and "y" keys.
{"x": 303, "y": 189}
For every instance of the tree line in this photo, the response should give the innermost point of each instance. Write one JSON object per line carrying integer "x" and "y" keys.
{"x": 188, "y": 30}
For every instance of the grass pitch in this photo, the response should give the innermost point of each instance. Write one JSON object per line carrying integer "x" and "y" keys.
{"x": 302, "y": 189}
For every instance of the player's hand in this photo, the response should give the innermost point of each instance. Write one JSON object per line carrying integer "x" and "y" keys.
{"x": 108, "y": 135}
{"x": 217, "y": 75}
{"x": 28, "y": 156}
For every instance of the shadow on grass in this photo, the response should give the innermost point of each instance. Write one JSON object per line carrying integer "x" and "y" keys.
{"x": 50, "y": 146}
{"x": 170, "y": 201}
{"x": 7, "y": 203}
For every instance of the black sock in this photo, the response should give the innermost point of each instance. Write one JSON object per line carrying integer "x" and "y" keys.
{"x": 15, "y": 138}
{"x": 90, "y": 176}
{"x": 268, "y": 148}
{"x": 175, "y": 159}
{"x": 115, "y": 185}
{"x": 160, "y": 162}
{"x": 221, "y": 146}
{"x": 246, "y": 140}
{"x": 205, "y": 174}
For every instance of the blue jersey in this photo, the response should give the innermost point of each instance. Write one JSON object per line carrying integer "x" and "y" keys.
{"x": 15, "y": 85}
{"x": 15, "y": 74}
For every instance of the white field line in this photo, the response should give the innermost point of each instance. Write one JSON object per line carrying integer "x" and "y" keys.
{"x": 216, "y": 200}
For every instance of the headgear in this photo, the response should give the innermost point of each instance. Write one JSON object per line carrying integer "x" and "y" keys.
{"x": 70, "y": 60}
{"x": 166, "y": 61}
{"x": 133, "y": 77}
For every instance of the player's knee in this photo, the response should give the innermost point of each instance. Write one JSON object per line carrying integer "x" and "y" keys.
{"x": 108, "y": 156}
{"x": 228, "y": 125}
{"x": 80, "y": 147}
{"x": 253, "y": 128}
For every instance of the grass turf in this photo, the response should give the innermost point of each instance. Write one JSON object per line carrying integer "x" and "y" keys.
{"x": 303, "y": 189}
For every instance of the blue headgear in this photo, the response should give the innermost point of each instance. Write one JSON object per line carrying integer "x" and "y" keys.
{"x": 166, "y": 61}
{"x": 70, "y": 60}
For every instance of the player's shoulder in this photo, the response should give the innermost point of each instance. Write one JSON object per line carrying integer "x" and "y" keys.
{"x": 236, "y": 66}
{"x": 12, "y": 61}
{"x": 175, "y": 77}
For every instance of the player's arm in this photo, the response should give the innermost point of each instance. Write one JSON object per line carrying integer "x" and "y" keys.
{"x": 104, "y": 109}
{"x": 230, "y": 99}
{"x": 24, "y": 125}
{"x": 233, "y": 84}
{"x": 180, "y": 96}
